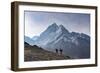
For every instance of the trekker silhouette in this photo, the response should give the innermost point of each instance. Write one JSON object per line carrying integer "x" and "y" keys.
{"x": 61, "y": 51}
{"x": 56, "y": 50}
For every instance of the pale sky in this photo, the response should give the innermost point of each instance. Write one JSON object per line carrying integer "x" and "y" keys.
{"x": 36, "y": 22}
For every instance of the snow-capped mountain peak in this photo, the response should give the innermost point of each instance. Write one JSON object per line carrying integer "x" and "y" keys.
{"x": 52, "y": 27}
{"x": 62, "y": 29}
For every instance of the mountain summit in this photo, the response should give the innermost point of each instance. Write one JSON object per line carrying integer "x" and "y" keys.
{"x": 73, "y": 44}
{"x": 62, "y": 28}
{"x": 52, "y": 28}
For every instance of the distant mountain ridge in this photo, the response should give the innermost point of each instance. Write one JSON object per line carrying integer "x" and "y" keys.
{"x": 76, "y": 45}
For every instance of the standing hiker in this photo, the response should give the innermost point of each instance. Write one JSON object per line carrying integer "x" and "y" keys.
{"x": 56, "y": 50}
{"x": 61, "y": 51}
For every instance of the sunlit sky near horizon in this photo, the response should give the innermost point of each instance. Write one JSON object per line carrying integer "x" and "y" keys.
{"x": 36, "y": 22}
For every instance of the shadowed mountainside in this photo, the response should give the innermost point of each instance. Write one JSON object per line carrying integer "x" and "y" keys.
{"x": 35, "y": 53}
